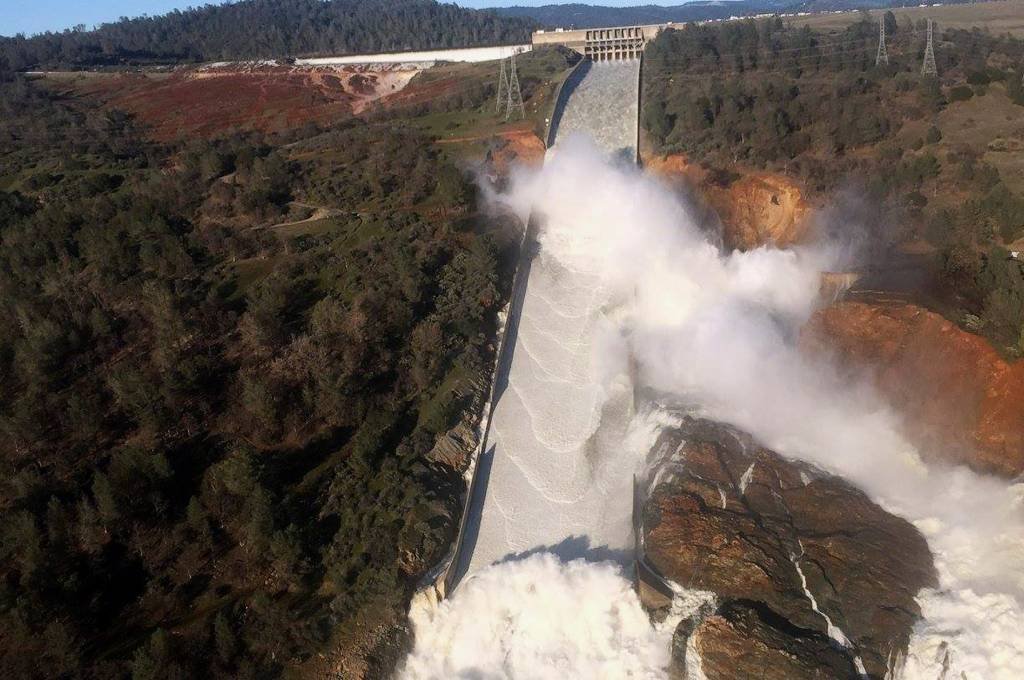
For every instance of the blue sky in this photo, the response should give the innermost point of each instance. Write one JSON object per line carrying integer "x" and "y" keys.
{"x": 36, "y": 16}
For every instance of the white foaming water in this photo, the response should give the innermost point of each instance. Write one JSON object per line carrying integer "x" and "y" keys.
{"x": 540, "y": 618}
{"x": 559, "y": 477}
{"x": 716, "y": 333}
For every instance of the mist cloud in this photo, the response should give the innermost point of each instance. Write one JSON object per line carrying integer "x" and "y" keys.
{"x": 540, "y": 618}
{"x": 715, "y": 334}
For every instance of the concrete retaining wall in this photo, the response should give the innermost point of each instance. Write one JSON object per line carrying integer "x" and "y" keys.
{"x": 445, "y": 576}
{"x": 558, "y": 103}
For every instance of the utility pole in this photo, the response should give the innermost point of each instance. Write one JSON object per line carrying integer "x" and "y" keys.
{"x": 515, "y": 95}
{"x": 929, "y": 68}
{"x": 502, "y": 87}
{"x": 883, "y": 56}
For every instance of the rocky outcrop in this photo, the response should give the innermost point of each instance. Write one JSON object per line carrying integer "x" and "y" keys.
{"x": 742, "y": 640}
{"x": 961, "y": 401}
{"x": 761, "y": 209}
{"x": 455, "y": 447}
{"x": 516, "y": 147}
{"x": 801, "y": 561}
{"x": 755, "y": 208}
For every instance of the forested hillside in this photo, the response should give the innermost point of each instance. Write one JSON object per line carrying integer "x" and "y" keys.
{"x": 216, "y": 415}
{"x": 936, "y": 159}
{"x": 258, "y": 29}
{"x": 578, "y": 15}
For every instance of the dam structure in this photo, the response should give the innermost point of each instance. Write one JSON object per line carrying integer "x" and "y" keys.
{"x": 551, "y": 476}
{"x": 615, "y": 43}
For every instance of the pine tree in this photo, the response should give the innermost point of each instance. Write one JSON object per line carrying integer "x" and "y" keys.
{"x": 103, "y": 494}
{"x": 1015, "y": 87}
{"x": 224, "y": 638}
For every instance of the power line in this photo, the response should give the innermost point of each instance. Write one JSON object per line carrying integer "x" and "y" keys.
{"x": 929, "y": 68}
{"x": 515, "y": 95}
{"x": 882, "y": 57}
{"x": 502, "y": 86}
{"x": 805, "y": 62}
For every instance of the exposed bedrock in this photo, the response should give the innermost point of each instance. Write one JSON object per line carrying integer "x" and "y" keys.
{"x": 745, "y": 640}
{"x": 755, "y": 208}
{"x": 961, "y": 401}
{"x": 805, "y": 566}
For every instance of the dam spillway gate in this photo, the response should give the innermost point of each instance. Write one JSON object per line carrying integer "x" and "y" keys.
{"x": 617, "y": 43}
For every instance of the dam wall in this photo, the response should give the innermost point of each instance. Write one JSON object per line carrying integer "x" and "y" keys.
{"x": 612, "y": 43}
{"x": 423, "y": 57}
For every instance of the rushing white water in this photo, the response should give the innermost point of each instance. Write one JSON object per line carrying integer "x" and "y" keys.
{"x": 556, "y": 476}
{"x": 632, "y": 290}
{"x": 540, "y": 618}
{"x": 716, "y": 332}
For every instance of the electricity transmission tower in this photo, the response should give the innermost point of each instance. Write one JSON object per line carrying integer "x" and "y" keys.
{"x": 883, "y": 56}
{"x": 929, "y": 68}
{"x": 515, "y": 95}
{"x": 502, "y": 88}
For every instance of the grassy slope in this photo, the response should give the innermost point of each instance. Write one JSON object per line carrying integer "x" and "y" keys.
{"x": 997, "y": 17}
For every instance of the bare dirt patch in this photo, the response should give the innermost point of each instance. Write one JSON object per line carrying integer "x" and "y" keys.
{"x": 961, "y": 401}
{"x": 755, "y": 208}
{"x": 218, "y": 99}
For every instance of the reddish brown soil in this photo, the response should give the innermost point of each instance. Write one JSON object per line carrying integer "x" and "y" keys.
{"x": 756, "y": 209}
{"x": 962, "y": 402}
{"x": 524, "y": 147}
{"x": 422, "y": 93}
{"x": 219, "y": 100}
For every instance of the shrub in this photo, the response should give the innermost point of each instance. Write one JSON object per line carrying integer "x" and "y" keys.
{"x": 1015, "y": 87}
{"x": 961, "y": 93}
{"x": 978, "y": 78}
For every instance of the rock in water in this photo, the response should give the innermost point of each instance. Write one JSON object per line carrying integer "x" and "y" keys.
{"x": 802, "y": 561}
{"x": 742, "y": 640}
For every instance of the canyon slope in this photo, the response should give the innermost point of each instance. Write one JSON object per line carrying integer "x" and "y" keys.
{"x": 961, "y": 401}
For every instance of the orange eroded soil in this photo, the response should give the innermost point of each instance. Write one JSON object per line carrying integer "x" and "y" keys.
{"x": 757, "y": 208}
{"x": 961, "y": 401}
{"x": 523, "y": 146}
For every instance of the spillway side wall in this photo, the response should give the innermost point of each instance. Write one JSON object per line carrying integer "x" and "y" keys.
{"x": 443, "y": 578}
{"x": 451, "y": 574}
{"x": 562, "y": 93}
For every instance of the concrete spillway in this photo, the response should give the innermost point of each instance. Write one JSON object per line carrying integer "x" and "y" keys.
{"x": 551, "y": 476}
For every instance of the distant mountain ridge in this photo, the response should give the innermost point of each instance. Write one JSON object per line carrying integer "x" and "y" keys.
{"x": 586, "y": 16}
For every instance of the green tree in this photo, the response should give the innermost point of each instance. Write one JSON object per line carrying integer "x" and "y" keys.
{"x": 890, "y": 23}
{"x": 1015, "y": 87}
{"x": 224, "y": 638}
{"x": 198, "y": 521}
{"x": 103, "y": 495}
